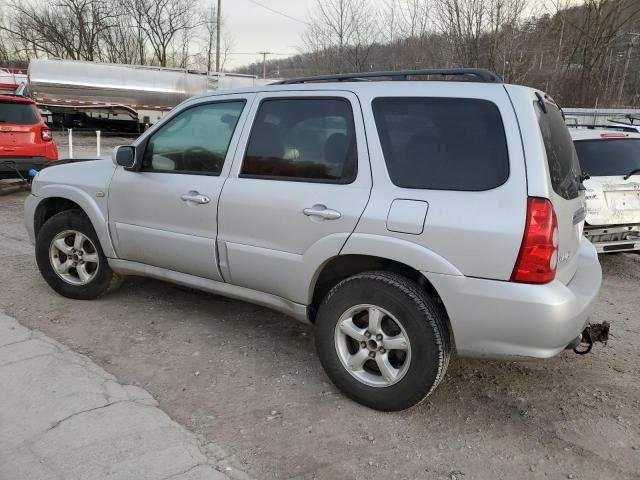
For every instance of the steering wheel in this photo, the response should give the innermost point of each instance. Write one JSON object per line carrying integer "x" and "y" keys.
{"x": 193, "y": 156}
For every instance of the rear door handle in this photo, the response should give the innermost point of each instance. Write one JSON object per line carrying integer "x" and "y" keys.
{"x": 322, "y": 212}
{"x": 195, "y": 197}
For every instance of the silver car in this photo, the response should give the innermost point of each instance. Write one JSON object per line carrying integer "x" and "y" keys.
{"x": 404, "y": 219}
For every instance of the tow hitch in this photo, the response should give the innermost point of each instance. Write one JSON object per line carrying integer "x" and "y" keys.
{"x": 595, "y": 332}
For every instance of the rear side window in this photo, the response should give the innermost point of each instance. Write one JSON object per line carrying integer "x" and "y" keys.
{"x": 602, "y": 158}
{"x": 561, "y": 154}
{"x": 19, "y": 113}
{"x": 442, "y": 143}
{"x": 302, "y": 140}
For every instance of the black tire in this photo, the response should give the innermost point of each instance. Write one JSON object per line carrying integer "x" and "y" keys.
{"x": 104, "y": 280}
{"x": 423, "y": 321}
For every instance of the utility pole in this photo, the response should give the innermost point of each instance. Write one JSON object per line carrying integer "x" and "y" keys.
{"x": 264, "y": 63}
{"x": 218, "y": 28}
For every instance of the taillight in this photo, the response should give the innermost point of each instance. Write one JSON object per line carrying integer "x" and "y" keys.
{"x": 46, "y": 134}
{"x": 612, "y": 135}
{"x": 538, "y": 258}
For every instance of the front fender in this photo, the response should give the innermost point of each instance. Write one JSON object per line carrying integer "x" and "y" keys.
{"x": 94, "y": 207}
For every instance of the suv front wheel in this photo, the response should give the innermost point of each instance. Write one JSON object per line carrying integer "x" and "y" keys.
{"x": 70, "y": 257}
{"x": 382, "y": 340}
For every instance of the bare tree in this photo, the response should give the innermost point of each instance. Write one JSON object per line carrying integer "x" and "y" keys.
{"x": 121, "y": 42}
{"x": 414, "y": 17}
{"x": 462, "y": 22}
{"x": 341, "y": 33}
{"x": 210, "y": 27}
{"x": 503, "y": 19}
{"x": 390, "y": 21}
{"x": 68, "y": 29}
{"x": 226, "y": 47}
{"x": 588, "y": 33}
{"x": 162, "y": 22}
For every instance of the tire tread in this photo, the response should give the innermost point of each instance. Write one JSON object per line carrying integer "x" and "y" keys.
{"x": 433, "y": 315}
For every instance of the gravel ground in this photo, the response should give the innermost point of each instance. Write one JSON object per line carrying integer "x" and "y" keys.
{"x": 249, "y": 380}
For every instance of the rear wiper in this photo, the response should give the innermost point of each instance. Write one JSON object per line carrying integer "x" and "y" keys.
{"x": 581, "y": 178}
{"x": 541, "y": 103}
{"x": 632, "y": 172}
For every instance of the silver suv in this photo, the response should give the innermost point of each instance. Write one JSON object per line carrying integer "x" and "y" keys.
{"x": 404, "y": 219}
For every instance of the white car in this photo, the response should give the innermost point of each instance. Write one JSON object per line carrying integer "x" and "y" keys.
{"x": 611, "y": 159}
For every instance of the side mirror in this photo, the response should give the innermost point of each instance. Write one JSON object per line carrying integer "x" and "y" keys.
{"x": 124, "y": 155}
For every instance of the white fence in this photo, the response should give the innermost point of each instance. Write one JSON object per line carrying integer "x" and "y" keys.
{"x": 70, "y": 142}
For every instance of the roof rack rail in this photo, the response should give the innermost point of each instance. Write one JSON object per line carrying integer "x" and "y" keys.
{"x": 480, "y": 75}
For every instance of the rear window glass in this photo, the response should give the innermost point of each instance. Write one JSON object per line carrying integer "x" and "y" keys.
{"x": 442, "y": 143}
{"x": 602, "y": 158}
{"x": 561, "y": 154}
{"x": 19, "y": 113}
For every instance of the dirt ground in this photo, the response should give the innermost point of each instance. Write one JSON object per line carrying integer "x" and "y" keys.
{"x": 248, "y": 379}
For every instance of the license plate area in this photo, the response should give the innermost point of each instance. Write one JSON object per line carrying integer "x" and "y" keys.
{"x": 623, "y": 200}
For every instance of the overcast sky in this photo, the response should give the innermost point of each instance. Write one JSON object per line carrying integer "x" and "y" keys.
{"x": 254, "y": 28}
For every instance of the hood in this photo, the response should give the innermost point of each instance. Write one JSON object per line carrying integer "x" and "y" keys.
{"x": 67, "y": 161}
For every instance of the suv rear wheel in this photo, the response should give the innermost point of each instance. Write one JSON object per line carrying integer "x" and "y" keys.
{"x": 70, "y": 258}
{"x": 382, "y": 340}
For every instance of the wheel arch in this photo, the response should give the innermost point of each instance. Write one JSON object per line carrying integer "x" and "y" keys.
{"x": 55, "y": 199}
{"x": 48, "y": 207}
{"x": 340, "y": 267}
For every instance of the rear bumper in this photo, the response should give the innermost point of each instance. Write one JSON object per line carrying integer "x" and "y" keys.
{"x": 11, "y": 166}
{"x": 614, "y": 238}
{"x": 504, "y": 319}
{"x": 617, "y": 246}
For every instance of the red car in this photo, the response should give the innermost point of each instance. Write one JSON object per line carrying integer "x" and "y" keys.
{"x": 25, "y": 140}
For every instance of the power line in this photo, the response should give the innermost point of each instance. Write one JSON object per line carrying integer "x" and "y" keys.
{"x": 277, "y": 12}
{"x": 260, "y": 53}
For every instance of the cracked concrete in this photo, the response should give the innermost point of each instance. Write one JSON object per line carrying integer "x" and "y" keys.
{"x": 63, "y": 417}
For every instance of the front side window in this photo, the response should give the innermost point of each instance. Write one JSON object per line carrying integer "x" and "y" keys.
{"x": 195, "y": 141}
{"x": 304, "y": 140}
{"x": 442, "y": 143}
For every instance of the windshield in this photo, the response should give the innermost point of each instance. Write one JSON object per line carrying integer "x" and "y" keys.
{"x": 19, "y": 113}
{"x": 601, "y": 158}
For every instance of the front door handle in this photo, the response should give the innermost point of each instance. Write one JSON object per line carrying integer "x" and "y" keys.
{"x": 195, "y": 197}
{"x": 322, "y": 212}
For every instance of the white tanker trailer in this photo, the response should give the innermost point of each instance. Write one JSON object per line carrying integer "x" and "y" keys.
{"x": 119, "y": 94}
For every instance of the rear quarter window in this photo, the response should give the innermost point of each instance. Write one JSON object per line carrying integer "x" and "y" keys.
{"x": 19, "y": 113}
{"x": 562, "y": 159}
{"x": 442, "y": 143}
